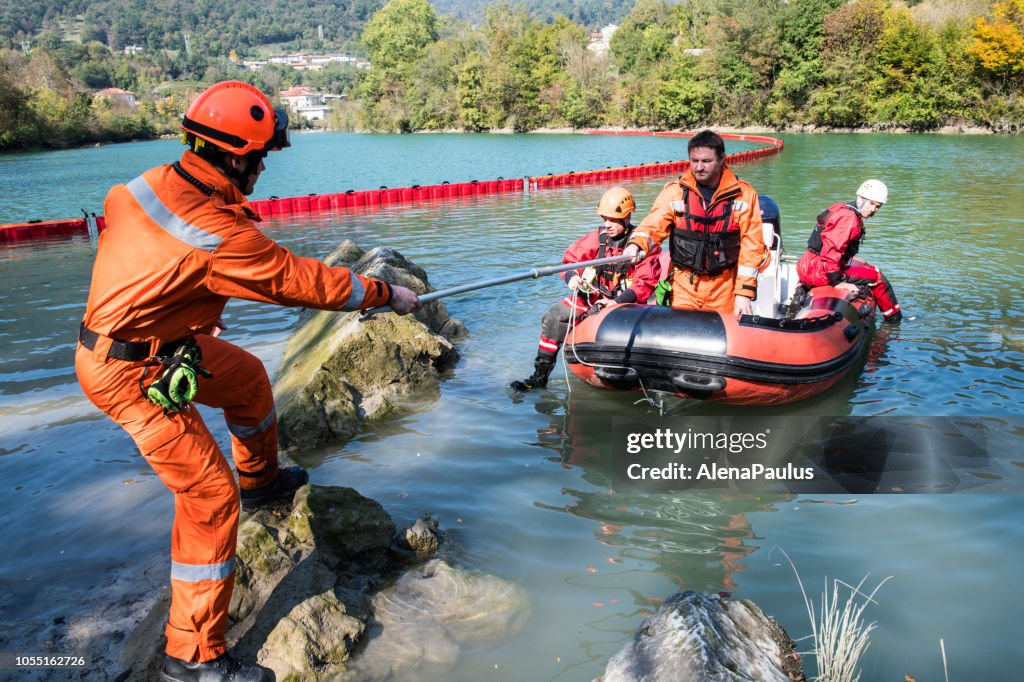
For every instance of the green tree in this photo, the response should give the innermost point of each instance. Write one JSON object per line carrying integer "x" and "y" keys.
{"x": 645, "y": 36}
{"x": 19, "y": 124}
{"x": 849, "y": 47}
{"x": 469, "y": 93}
{"x": 683, "y": 101}
{"x": 397, "y": 35}
{"x": 904, "y": 92}
{"x": 801, "y": 30}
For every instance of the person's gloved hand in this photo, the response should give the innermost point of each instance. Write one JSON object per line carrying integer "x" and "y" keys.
{"x": 599, "y": 305}
{"x": 403, "y": 300}
{"x": 574, "y": 282}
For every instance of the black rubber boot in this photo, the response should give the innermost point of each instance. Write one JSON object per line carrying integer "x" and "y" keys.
{"x": 895, "y": 318}
{"x": 223, "y": 668}
{"x": 287, "y": 482}
{"x": 542, "y": 367}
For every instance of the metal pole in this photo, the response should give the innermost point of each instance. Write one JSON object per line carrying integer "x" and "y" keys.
{"x": 91, "y": 227}
{"x": 533, "y": 273}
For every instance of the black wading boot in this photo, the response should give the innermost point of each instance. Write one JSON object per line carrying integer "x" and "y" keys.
{"x": 287, "y": 482}
{"x": 221, "y": 669}
{"x": 542, "y": 367}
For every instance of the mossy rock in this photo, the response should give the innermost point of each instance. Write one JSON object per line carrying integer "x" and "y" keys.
{"x": 340, "y": 521}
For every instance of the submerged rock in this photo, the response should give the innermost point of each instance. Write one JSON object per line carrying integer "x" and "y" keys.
{"x": 340, "y": 370}
{"x": 696, "y": 638}
{"x": 313, "y": 583}
{"x": 425, "y": 616}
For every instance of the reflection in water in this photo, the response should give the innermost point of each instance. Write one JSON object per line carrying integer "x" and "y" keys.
{"x": 695, "y": 539}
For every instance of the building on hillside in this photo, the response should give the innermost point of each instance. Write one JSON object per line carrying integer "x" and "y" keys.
{"x": 308, "y": 103}
{"x": 133, "y": 49}
{"x": 118, "y": 98}
{"x": 303, "y": 62}
{"x": 600, "y": 40}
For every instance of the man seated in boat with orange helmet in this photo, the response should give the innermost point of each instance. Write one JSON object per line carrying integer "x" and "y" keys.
{"x": 834, "y": 242}
{"x": 712, "y": 220}
{"x": 594, "y": 288}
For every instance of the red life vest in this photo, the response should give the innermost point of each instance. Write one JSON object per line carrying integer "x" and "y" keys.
{"x": 705, "y": 241}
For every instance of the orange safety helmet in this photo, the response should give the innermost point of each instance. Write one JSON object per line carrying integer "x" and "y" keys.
{"x": 617, "y": 202}
{"x": 238, "y": 118}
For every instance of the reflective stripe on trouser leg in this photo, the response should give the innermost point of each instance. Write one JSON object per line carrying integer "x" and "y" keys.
{"x": 546, "y": 345}
{"x": 185, "y": 456}
{"x": 240, "y": 386}
{"x": 202, "y": 544}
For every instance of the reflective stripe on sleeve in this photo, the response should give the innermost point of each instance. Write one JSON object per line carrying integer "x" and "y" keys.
{"x": 355, "y": 299}
{"x": 746, "y": 271}
{"x": 166, "y": 219}
{"x": 194, "y": 573}
{"x": 239, "y": 431}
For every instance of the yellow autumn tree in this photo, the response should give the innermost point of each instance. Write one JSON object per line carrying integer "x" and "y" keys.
{"x": 999, "y": 45}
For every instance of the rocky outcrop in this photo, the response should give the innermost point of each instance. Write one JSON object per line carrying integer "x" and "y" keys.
{"x": 341, "y": 370}
{"x": 703, "y": 638}
{"x": 314, "y": 583}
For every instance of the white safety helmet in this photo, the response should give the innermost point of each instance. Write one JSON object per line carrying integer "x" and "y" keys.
{"x": 874, "y": 190}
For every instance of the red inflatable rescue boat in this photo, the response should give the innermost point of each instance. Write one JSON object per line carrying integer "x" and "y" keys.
{"x": 713, "y": 356}
{"x": 797, "y": 343}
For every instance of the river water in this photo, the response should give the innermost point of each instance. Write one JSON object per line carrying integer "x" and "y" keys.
{"x": 519, "y": 483}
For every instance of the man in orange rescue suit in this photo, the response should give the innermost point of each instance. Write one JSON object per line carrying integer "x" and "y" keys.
{"x": 834, "y": 242}
{"x": 594, "y": 288}
{"x": 713, "y": 222}
{"x": 181, "y": 239}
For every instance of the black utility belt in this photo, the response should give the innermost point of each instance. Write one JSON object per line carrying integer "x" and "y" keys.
{"x": 130, "y": 351}
{"x": 695, "y": 273}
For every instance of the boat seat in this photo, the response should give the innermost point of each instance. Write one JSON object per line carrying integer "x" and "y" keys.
{"x": 778, "y": 280}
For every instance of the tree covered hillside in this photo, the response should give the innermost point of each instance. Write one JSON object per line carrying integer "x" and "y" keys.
{"x": 592, "y": 14}
{"x": 679, "y": 64}
{"x": 831, "y": 63}
{"x": 213, "y": 26}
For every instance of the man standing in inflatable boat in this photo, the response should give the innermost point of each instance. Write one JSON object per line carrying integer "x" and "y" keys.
{"x": 835, "y": 241}
{"x": 594, "y": 288}
{"x": 713, "y": 222}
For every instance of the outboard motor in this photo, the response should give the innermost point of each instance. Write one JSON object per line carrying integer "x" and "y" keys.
{"x": 770, "y": 214}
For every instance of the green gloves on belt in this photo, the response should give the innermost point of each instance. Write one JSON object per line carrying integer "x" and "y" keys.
{"x": 178, "y": 384}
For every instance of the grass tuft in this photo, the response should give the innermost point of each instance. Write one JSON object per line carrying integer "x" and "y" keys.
{"x": 840, "y": 634}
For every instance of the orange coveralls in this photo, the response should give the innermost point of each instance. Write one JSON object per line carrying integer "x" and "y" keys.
{"x": 168, "y": 261}
{"x": 709, "y": 292}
